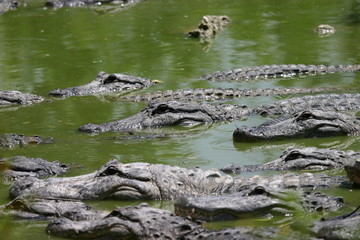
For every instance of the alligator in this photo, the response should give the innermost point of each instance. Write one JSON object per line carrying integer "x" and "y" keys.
{"x": 209, "y": 94}
{"x": 324, "y": 102}
{"x": 353, "y": 171}
{"x": 171, "y": 113}
{"x": 309, "y": 158}
{"x": 343, "y": 227}
{"x": 143, "y": 222}
{"x": 324, "y": 30}
{"x": 6, "y": 5}
{"x": 105, "y": 83}
{"x": 18, "y": 98}
{"x": 277, "y": 71}
{"x": 305, "y": 124}
{"x": 140, "y": 180}
{"x": 20, "y": 166}
{"x": 82, "y": 3}
{"x": 32, "y": 207}
{"x": 11, "y": 140}
{"x": 210, "y": 26}
{"x": 259, "y": 202}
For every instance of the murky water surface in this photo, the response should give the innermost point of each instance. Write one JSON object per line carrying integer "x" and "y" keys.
{"x": 44, "y": 49}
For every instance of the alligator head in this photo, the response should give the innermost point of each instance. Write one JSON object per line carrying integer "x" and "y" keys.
{"x": 32, "y": 207}
{"x": 139, "y": 222}
{"x": 342, "y": 227}
{"x": 229, "y": 206}
{"x": 105, "y": 83}
{"x": 16, "y": 97}
{"x": 143, "y": 222}
{"x": 304, "y": 124}
{"x": 255, "y": 201}
{"x": 21, "y": 166}
{"x": 172, "y": 113}
{"x": 310, "y": 158}
{"x": 10, "y": 140}
{"x": 127, "y": 181}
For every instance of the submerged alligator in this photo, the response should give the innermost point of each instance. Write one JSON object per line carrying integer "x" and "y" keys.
{"x": 174, "y": 113}
{"x": 259, "y": 202}
{"x": 219, "y": 93}
{"x": 18, "y": 98}
{"x": 143, "y": 222}
{"x": 210, "y": 26}
{"x": 32, "y": 207}
{"x": 82, "y": 3}
{"x": 11, "y": 140}
{"x": 20, "y": 166}
{"x": 344, "y": 227}
{"x": 156, "y": 181}
{"x": 105, "y": 83}
{"x": 324, "y": 30}
{"x": 306, "y": 124}
{"x": 170, "y": 114}
{"x": 277, "y": 71}
{"x": 323, "y": 102}
{"x": 309, "y": 158}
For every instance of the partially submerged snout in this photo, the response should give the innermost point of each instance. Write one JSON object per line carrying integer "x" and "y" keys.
{"x": 305, "y": 124}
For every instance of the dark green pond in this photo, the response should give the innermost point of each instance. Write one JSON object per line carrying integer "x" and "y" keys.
{"x": 44, "y": 49}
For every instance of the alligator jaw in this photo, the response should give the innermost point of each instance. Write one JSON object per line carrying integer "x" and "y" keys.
{"x": 172, "y": 113}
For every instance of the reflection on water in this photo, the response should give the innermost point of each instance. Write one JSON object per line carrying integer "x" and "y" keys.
{"x": 44, "y": 49}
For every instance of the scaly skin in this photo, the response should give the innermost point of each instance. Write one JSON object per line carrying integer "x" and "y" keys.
{"x": 323, "y": 102}
{"x": 353, "y": 171}
{"x": 344, "y": 227}
{"x": 175, "y": 113}
{"x": 105, "y": 83}
{"x": 171, "y": 114}
{"x": 304, "y": 124}
{"x": 11, "y": 140}
{"x": 218, "y": 93}
{"x": 277, "y": 71}
{"x": 310, "y": 158}
{"x": 143, "y": 223}
{"x": 32, "y": 207}
{"x": 18, "y": 98}
{"x": 20, "y": 166}
{"x": 159, "y": 182}
{"x": 258, "y": 202}
{"x": 210, "y": 26}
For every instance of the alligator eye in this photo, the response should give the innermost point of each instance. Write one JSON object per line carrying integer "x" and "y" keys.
{"x": 304, "y": 116}
{"x": 162, "y": 108}
{"x": 114, "y": 213}
{"x": 110, "y": 79}
{"x": 111, "y": 170}
{"x": 258, "y": 191}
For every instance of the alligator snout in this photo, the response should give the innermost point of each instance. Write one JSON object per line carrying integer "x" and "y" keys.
{"x": 21, "y": 185}
{"x": 59, "y": 93}
{"x": 243, "y": 134}
{"x": 91, "y": 128}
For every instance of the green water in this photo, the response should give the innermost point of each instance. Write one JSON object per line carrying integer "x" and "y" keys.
{"x": 43, "y": 49}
